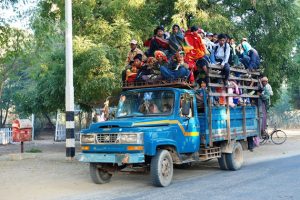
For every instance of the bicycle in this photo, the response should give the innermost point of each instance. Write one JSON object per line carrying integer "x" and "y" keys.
{"x": 277, "y": 136}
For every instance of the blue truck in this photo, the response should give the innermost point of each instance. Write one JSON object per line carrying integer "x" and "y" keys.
{"x": 164, "y": 126}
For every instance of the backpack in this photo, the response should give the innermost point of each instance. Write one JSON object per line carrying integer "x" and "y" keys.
{"x": 230, "y": 59}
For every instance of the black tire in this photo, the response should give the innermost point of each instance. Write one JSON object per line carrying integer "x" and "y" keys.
{"x": 278, "y": 137}
{"x": 98, "y": 175}
{"x": 161, "y": 169}
{"x": 222, "y": 162}
{"x": 183, "y": 166}
{"x": 235, "y": 159}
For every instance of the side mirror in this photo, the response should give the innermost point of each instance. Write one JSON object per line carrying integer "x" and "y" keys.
{"x": 186, "y": 104}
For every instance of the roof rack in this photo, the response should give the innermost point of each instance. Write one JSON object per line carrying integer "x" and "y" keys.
{"x": 177, "y": 83}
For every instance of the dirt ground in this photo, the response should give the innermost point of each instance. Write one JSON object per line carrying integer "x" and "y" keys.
{"x": 48, "y": 175}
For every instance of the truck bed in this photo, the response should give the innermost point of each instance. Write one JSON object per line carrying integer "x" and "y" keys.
{"x": 239, "y": 128}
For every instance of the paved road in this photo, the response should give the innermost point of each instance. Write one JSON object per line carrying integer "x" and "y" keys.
{"x": 271, "y": 172}
{"x": 277, "y": 180}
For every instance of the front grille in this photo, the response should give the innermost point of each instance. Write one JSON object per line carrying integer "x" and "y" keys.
{"x": 107, "y": 138}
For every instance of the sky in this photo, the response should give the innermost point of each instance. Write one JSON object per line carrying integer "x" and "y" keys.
{"x": 18, "y": 16}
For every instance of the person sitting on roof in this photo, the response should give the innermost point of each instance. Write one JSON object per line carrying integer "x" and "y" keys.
{"x": 133, "y": 52}
{"x": 158, "y": 42}
{"x": 250, "y": 57}
{"x": 149, "y": 72}
{"x": 130, "y": 57}
{"x": 132, "y": 72}
{"x": 176, "y": 40}
{"x": 222, "y": 53}
{"x": 179, "y": 69}
{"x": 195, "y": 52}
{"x": 235, "y": 57}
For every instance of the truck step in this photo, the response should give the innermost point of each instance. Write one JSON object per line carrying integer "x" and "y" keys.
{"x": 210, "y": 153}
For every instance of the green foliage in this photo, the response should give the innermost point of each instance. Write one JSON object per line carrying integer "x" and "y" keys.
{"x": 12, "y": 63}
{"x": 293, "y": 82}
{"x": 102, "y": 30}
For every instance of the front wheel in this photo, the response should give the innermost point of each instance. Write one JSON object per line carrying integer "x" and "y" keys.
{"x": 98, "y": 175}
{"x": 161, "y": 168}
{"x": 235, "y": 159}
{"x": 278, "y": 137}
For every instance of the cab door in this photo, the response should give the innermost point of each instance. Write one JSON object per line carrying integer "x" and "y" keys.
{"x": 189, "y": 123}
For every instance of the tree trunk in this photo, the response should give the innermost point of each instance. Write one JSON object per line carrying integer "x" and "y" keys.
{"x": 88, "y": 119}
{"x": 49, "y": 120}
{"x": 6, "y": 114}
{"x": 1, "y": 124}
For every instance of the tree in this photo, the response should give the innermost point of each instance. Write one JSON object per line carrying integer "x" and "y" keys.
{"x": 102, "y": 30}
{"x": 12, "y": 62}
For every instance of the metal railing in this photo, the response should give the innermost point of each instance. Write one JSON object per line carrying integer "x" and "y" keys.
{"x": 6, "y": 136}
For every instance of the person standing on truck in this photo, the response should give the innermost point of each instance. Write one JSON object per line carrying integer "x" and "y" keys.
{"x": 265, "y": 96}
{"x": 222, "y": 53}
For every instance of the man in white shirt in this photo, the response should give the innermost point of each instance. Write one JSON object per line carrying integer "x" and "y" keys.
{"x": 222, "y": 53}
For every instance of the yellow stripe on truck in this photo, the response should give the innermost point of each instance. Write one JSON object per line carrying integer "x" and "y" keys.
{"x": 169, "y": 122}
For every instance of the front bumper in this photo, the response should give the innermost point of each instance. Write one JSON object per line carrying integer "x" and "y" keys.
{"x": 128, "y": 158}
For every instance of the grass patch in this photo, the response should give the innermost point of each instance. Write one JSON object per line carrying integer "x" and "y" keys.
{"x": 33, "y": 150}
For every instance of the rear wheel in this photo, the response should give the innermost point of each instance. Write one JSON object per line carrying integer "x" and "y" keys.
{"x": 222, "y": 162}
{"x": 235, "y": 159}
{"x": 278, "y": 137}
{"x": 161, "y": 169}
{"x": 98, "y": 175}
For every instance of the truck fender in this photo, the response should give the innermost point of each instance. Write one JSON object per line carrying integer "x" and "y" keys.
{"x": 227, "y": 146}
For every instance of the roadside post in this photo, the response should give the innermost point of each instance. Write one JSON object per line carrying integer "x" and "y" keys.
{"x": 70, "y": 125}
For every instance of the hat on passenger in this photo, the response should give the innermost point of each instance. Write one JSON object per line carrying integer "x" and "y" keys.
{"x": 209, "y": 34}
{"x": 133, "y": 42}
{"x": 138, "y": 56}
{"x": 160, "y": 54}
{"x": 244, "y": 39}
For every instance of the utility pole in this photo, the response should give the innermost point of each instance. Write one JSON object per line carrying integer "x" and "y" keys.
{"x": 70, "y": 125}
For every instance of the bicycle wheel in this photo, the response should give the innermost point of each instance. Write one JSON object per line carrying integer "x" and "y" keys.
{"x": 278, "y": 137}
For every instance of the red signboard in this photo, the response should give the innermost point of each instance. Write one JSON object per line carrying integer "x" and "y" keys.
{"x": 21, "y": 130}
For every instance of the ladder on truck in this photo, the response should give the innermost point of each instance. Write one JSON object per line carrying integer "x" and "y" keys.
{"x": 248, "y": 81}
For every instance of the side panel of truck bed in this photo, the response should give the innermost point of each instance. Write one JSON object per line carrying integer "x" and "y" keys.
{"x": 219, "y": 124}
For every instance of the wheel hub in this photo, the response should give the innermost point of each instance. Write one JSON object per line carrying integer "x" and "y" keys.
{"x": 165, "y": 167}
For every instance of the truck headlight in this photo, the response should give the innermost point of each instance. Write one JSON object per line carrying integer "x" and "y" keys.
{"x": 87, "y": 138}
{"x": 130, "y": 138}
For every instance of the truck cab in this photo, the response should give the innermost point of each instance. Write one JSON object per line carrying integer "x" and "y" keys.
{"x": 147, "y": 120}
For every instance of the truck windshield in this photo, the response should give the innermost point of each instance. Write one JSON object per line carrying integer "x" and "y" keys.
{"x": 150, "y": 103}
